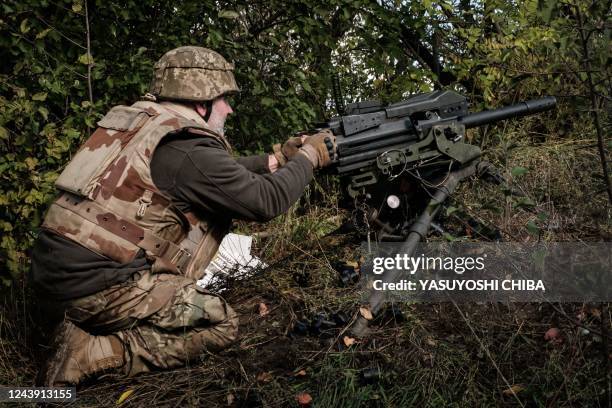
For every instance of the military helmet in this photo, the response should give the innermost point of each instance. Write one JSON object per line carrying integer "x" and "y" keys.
{"x": 192, "y": 74}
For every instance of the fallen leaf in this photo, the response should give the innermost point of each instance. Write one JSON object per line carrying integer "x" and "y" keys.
{"x": 124, "y": 396}
{"x": 365, "y": 312}
{"x": 348, "y": 341}
{"x": 263, "y": 310}
{"x": 430, "y": 341}
{"x": 515, "y": 389}
{"x": 264, "y": 377}
{"x": 301, "y": 373}
{"x": 553, "y": 335}
{"x": 303, "y": 399}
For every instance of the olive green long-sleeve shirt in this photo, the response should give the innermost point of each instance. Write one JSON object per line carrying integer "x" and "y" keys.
{"x": 200, "y": 176}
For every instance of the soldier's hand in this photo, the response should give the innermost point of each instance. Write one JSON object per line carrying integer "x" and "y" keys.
{"x": 289, "y": 149}
{"x": 320, "y": 148}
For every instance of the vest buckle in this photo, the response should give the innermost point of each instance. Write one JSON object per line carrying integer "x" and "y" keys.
{"x": 145, "y": 202}
{"x": 181, "y": 259}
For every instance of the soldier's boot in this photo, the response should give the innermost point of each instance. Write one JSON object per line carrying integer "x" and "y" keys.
{"x": 79, "y": 355}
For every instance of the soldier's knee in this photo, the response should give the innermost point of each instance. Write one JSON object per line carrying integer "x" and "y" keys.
{"x": 214, "y": 337}
{"x": 219, "y": 328}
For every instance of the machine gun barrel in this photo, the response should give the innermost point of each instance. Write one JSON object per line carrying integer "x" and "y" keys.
{"x": 512, "y": 111}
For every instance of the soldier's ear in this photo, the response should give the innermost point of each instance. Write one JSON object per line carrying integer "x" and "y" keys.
{"x": 201, "y": 109}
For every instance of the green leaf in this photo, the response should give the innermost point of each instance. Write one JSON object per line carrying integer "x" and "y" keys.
{"x": 72, "y": 133}
{"x": 448, "y": 237}
{"x": 266, "y": 101}
{"x": 43, "y": 111}
{"x": 31, "y": 163}
{"x": 519, "y": 171}
{"x": 43, "y": 33}
{"x": 229, "y": 14}
{"x": 77, "y": 6}
{"x": 524, "y": 202}
{"x": 533, "y": 228}
{"x": 23, "y": 27}
{"x": 41, "y": 96}
{"x": 50, "y": 177}
{"x": 86, "y": 59}
{"x": 450, "y": 210}
{"x": 4, "y": 134}
{"x": 6, "y": 226}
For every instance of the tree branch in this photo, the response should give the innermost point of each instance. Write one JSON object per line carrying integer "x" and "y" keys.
{"x": 89, "y": 58}
{"x": 604, "y": 164}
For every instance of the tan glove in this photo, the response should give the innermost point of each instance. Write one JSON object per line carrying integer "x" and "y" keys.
{"x": 320, "y": 149}
{"x": 289, "y": 149}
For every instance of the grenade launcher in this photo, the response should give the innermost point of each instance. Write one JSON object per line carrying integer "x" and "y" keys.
{"x": 383, "y": 150}
{"x": 406, "y": 155}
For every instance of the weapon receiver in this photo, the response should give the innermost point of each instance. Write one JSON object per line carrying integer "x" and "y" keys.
{"x": 419, "y": 139}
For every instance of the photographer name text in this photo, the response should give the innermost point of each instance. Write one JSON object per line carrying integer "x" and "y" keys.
{"x": 468, "y": 285}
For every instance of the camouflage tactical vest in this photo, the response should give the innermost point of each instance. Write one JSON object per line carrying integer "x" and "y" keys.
{"x": 109, "y": 203}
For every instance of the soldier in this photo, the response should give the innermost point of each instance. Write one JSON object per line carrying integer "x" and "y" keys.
{"x": 142, "y": 209}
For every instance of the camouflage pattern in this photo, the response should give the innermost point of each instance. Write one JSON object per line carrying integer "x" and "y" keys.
{"x": 162, "y": 321}
{"x": 192, "y": 74}
{"x": 110, "y": 204}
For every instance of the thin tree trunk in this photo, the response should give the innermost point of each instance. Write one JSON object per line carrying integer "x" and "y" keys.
{"x": 606, "y": 174}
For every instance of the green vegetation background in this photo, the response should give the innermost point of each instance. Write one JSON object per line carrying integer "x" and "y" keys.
{"x": 64, "y": 63}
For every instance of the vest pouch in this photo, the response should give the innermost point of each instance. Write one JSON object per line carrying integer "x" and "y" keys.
{"x": 82, "y": 174}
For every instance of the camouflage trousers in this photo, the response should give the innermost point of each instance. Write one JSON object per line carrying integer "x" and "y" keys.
{"x": 162, "y": 320}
